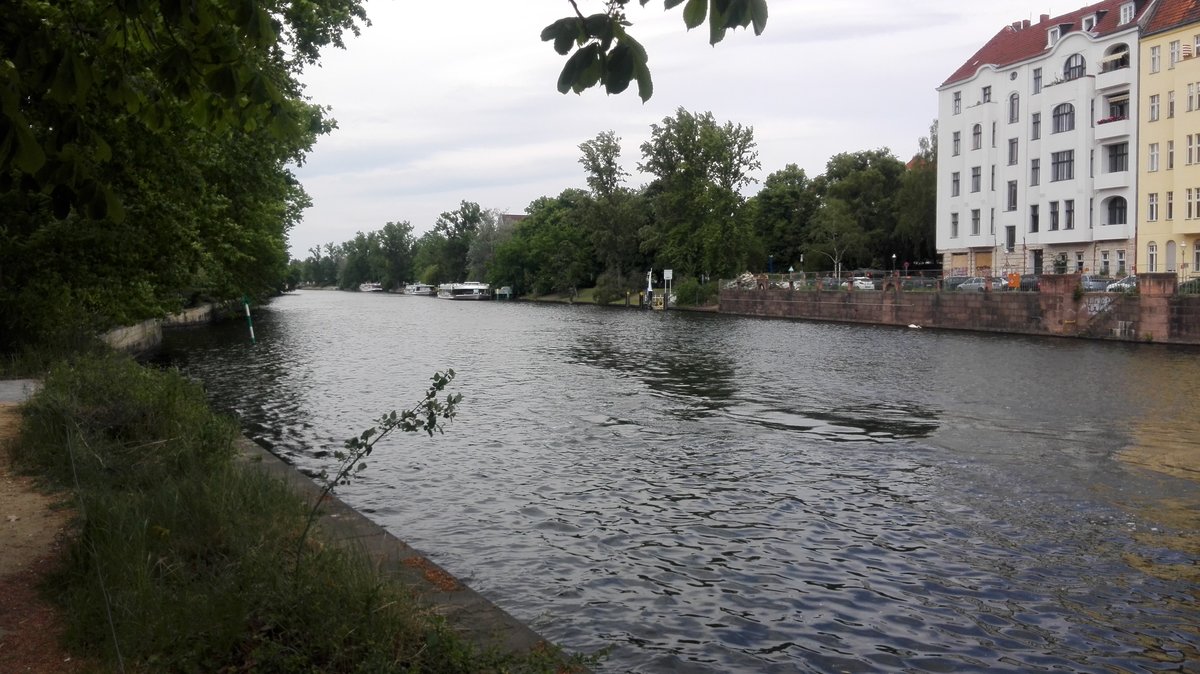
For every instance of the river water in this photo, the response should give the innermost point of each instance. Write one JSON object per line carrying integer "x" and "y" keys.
{"x": 705, "y": 493}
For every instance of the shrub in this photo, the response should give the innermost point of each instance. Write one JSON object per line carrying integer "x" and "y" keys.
{"x": 692, "y": 293}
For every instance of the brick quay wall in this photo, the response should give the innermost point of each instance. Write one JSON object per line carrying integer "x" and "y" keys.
{"x": 1155, "y": 313}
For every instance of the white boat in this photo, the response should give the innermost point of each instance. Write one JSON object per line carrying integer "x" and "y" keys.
{"x": 471, "y": 290}
{"x": 370, "y": 287}
{"x": 420, "y": 290}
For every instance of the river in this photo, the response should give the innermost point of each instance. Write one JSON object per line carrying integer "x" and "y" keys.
{"x": 706, "y": 493}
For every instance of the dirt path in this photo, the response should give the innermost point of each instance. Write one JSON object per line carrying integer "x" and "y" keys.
{"x": 30, "y": 546}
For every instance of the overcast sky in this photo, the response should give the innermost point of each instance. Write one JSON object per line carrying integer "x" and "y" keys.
{"x": 441, "y": 102}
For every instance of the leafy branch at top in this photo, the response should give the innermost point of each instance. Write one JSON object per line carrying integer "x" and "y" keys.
{"x": 605, "y": 54}
{"x": 424, "y": 417}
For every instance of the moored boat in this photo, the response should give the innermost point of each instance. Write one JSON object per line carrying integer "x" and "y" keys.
{"x": 420, "y": 290}
{"x": 471, "y": 290}
{"x": 370, "y": 287}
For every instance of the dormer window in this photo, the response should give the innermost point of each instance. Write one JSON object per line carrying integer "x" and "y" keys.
{"x": 1052, "y": 36}
{"x": 1126, "y": 13}
{"x": 1089, "y": 23}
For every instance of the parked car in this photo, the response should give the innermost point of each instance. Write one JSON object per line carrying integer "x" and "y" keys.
{"x": 1095, "y": 284}
{"x": 860, "y": 283}
{"x": 1031, "y": 282}
{"x": 1126, "y": 284}
{"x": 952, "y": 282}
{"x": 974, "y": 284}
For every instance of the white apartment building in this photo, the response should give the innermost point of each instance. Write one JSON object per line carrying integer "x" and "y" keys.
{"x": 1037, "y": 147}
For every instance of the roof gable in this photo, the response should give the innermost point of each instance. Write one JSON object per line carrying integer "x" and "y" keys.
{"x": 1023, "y": 40}
{"x": 1169, "y": 14}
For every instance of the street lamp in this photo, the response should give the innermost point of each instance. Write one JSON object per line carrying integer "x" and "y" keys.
{"x": 893, "y": 264}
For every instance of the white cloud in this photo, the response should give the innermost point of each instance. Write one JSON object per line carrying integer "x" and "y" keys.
{"x": 443, "y": 102}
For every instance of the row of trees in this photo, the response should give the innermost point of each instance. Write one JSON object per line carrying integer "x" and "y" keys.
{"x": 691, "y": 217}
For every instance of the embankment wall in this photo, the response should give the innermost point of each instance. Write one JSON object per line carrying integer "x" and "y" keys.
{"x": 1153, "y": 314}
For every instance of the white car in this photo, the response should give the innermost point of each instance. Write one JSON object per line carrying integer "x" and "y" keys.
{"x": 1127, "y": 283}
{"x": 860, "y": 283}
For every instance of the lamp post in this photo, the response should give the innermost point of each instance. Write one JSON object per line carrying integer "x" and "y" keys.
{"x": 893, "y": 264}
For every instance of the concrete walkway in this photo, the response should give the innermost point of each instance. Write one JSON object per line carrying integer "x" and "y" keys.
{"x": 17, "y": 390}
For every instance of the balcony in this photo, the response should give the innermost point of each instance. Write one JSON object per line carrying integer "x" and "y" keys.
{"x": 1113, "y": 127}
{"x": 1115, "y": 77}
{"x": 1113, "y": 181}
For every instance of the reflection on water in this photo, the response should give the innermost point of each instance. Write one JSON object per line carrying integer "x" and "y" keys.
{"x": 703, "y": 493}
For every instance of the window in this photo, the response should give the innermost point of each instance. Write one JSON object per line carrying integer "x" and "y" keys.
{"x": 1035, "y": 171}
{"x": 1191, "y": 96}
{"x": 1118, "y": 106}
{"x": 1118, "y": 211}
{"x": 958, "y": 102}
{"x": 1062, "y": 165}
{"x": 1187, "y": 199}
{"x": 1012, "y": 151}
{"x": 954, "y": 225}
{"x": 957, "y": 143}
{"x": 1194, "y": 205}
{"x": 1170, "y": 205}
{"x": 993, "y": 134}
{"x": 1152, "y": 257}
{"x": 1154, "y": 108}
{"x": 1053, "y": 216}
{"x": 1118, "y": 157}
{"x": 992, "y": 182}
{"x": 1010, "y": 238}
{"x": 1170, "y": 154}
{"x": 1064, "y": 117}
{"x": 1079, "y": 262}
{"x": 1035, "y": 131}
{"x": 1155, "y": 59}
{"x": 986, "y": 95}
{"x": 1120, "y": 262}
{"x": 976, "y": 136}
{"x": 1052, "y": 36}
{"x": 1089, "y": 22}
{"x": 1152, "y": 207}
{"x": 975, "y": 222}
{"x": 1033, "y": 219}
{"x": 1104, "y": 263}
{"x": 1126, "y": 13}
{"x": 1152, "y": 161}
{"x": 976, "y": 175}
{"x": 992, "y": 221}
{"x": 1012, "y": 195}
{"x": 1037, "y": 80}
{"x": 1173, "y": 55}
{"x": 1074, "y": 68}
{"x": 1170, "y": 104}
{"x": 954, "y": 184}
{"x": 1190, "y": 155}
{"x": 1069, "y": 214}
{"x": 1014, "y": 108}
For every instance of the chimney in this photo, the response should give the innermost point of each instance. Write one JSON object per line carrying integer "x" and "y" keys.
{"x": 1016, "y": 25}
{"x": 1025, "y": 23}
{"x": 1044, "y": 18}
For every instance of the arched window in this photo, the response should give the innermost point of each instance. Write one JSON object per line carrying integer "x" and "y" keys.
{"x": 1116, "y": 58}
{"x": 977, "y": 137}
{"x": 1014, "y": 108}
{"x": 1152, "y": 257}
{"x": 1074, "y": 68}
{"x": 1064, "y": 117}
{"x": 1117, "y": 211}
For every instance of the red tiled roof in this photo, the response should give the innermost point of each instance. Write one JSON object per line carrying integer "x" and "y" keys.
{"x": 1168, "y": 14}
{"x": 1017, "y": 42}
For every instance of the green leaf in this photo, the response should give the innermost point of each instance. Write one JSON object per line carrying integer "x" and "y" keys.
{"x": 758, "y": 10}
{"x": 598, "y": 26}
{"x": 565, "y": 33}
{"x": 670, "y": 4}
{"x": 645, "y": 84}
{"x": 619, "y": 69}
{"x": 694, "y": 13}
{"x": 576, "y": 66}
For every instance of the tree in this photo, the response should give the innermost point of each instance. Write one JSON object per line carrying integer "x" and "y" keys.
{"x": 548, "y": 251}
{"x": 396, "y": 244}
{"x": 458, "y": 229}
{"x": 613, "y": 215}
{"x": 783, "y": 209}
{"x": 699, "y": 168}
{"x": 866, "y": 183}
{"x": 916, "y": 203}
{"x": 836, "y": 234}
{"x": 605, "y": 54}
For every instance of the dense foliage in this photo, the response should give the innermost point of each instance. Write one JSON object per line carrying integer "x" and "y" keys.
{"x": 866, "y": 210}
{"x": 143, "y": 153}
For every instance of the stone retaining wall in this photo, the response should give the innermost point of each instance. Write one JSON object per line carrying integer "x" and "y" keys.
{"x": 1154, "y": 314}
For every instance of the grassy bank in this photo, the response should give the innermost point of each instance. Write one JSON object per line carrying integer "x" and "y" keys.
{"x": 185, "y": 561}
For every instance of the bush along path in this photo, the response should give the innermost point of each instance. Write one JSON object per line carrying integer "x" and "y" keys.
{"x": 184, "y": 560}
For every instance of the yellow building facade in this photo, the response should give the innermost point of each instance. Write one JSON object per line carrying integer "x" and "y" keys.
{"x": 1168, "y": 213}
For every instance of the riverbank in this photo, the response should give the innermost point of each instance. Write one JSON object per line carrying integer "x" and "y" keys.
{"x": 195, "y": 532}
